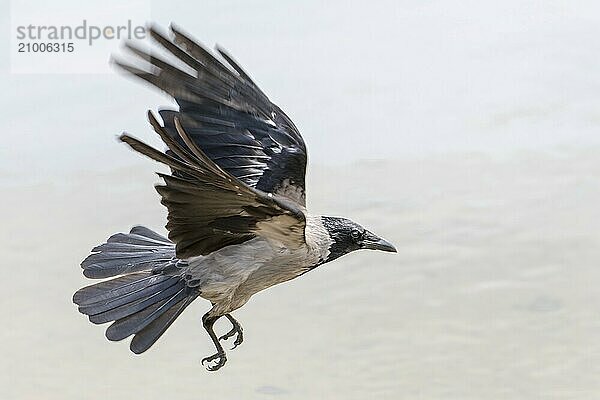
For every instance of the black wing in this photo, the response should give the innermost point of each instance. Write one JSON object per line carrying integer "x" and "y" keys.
{"x": 227, "y": 116}
{"x": 209, "y": 208}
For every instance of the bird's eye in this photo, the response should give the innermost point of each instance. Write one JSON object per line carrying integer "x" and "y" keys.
{"x": 355, "y": 234}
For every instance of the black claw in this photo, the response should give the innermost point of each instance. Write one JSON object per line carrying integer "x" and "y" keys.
{"x": 238, "y": 340}
{"x": 229, "y": 334}
{"x": 220, "y": 356}
{"x": 234, "y": 331}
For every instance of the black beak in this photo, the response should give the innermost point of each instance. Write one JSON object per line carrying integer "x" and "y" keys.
{"x": 373, "y": 242}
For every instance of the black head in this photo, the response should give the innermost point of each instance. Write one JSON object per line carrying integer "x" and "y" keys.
{"x": 348, "y": 236}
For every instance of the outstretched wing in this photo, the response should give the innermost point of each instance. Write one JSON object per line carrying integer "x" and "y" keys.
{"x": 226, "y": 115}
{"x": 209, "y": 208}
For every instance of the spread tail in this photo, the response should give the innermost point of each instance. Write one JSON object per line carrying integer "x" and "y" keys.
{"x": 146, "y": 293}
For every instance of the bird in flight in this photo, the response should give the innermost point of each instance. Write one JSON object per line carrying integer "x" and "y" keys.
{"x": 235, "y": 195}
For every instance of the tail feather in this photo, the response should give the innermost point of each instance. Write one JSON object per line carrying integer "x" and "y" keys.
{"x": 146, "y": 292}
{"x": 140, "y": 235}
{"x": 131, "y": 308}
{"x": 108, "y": 264}
{"x": 148, "y": 233}
{"x": 122, "y": 247}
{"x": 108, "y": 289}
{"x": 134, "y": 323}
{"x": 143, "y": 291}
{"x": 146, "y": 337}
{"x": 122, "y": 253}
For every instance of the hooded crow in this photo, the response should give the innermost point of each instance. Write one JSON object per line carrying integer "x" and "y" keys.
{"x": 235, "y": 197}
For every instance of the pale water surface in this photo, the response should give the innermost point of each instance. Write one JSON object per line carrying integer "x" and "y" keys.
{"x": 492, "y": 295}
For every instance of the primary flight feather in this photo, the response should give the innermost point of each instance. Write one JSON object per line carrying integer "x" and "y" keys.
{"x": 235, "y": 197}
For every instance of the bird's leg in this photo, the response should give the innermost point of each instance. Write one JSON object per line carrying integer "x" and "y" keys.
{"x": 236, "y": 329}
{"x": 208, "y": 321}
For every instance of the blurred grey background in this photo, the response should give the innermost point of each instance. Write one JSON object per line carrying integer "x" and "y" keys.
{"x": 466, "y": 132}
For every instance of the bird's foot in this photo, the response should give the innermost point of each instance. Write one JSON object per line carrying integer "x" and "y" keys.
{"x": 235, "y": 330}
{"x": 218, "y": 356}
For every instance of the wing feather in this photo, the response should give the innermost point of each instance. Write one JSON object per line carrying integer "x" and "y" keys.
{"x": 226, "y": 115}
{"x": 208, "y": 208}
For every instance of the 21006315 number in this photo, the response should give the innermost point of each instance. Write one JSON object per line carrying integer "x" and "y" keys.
{"x": 37, "y": 47}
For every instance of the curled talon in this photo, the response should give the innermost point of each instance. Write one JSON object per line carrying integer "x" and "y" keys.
{"x": 229, "y": 334}
{"x": 220, "y": 356}
{"x": 238, "y": 340}
{"x": 236, "y": 329}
